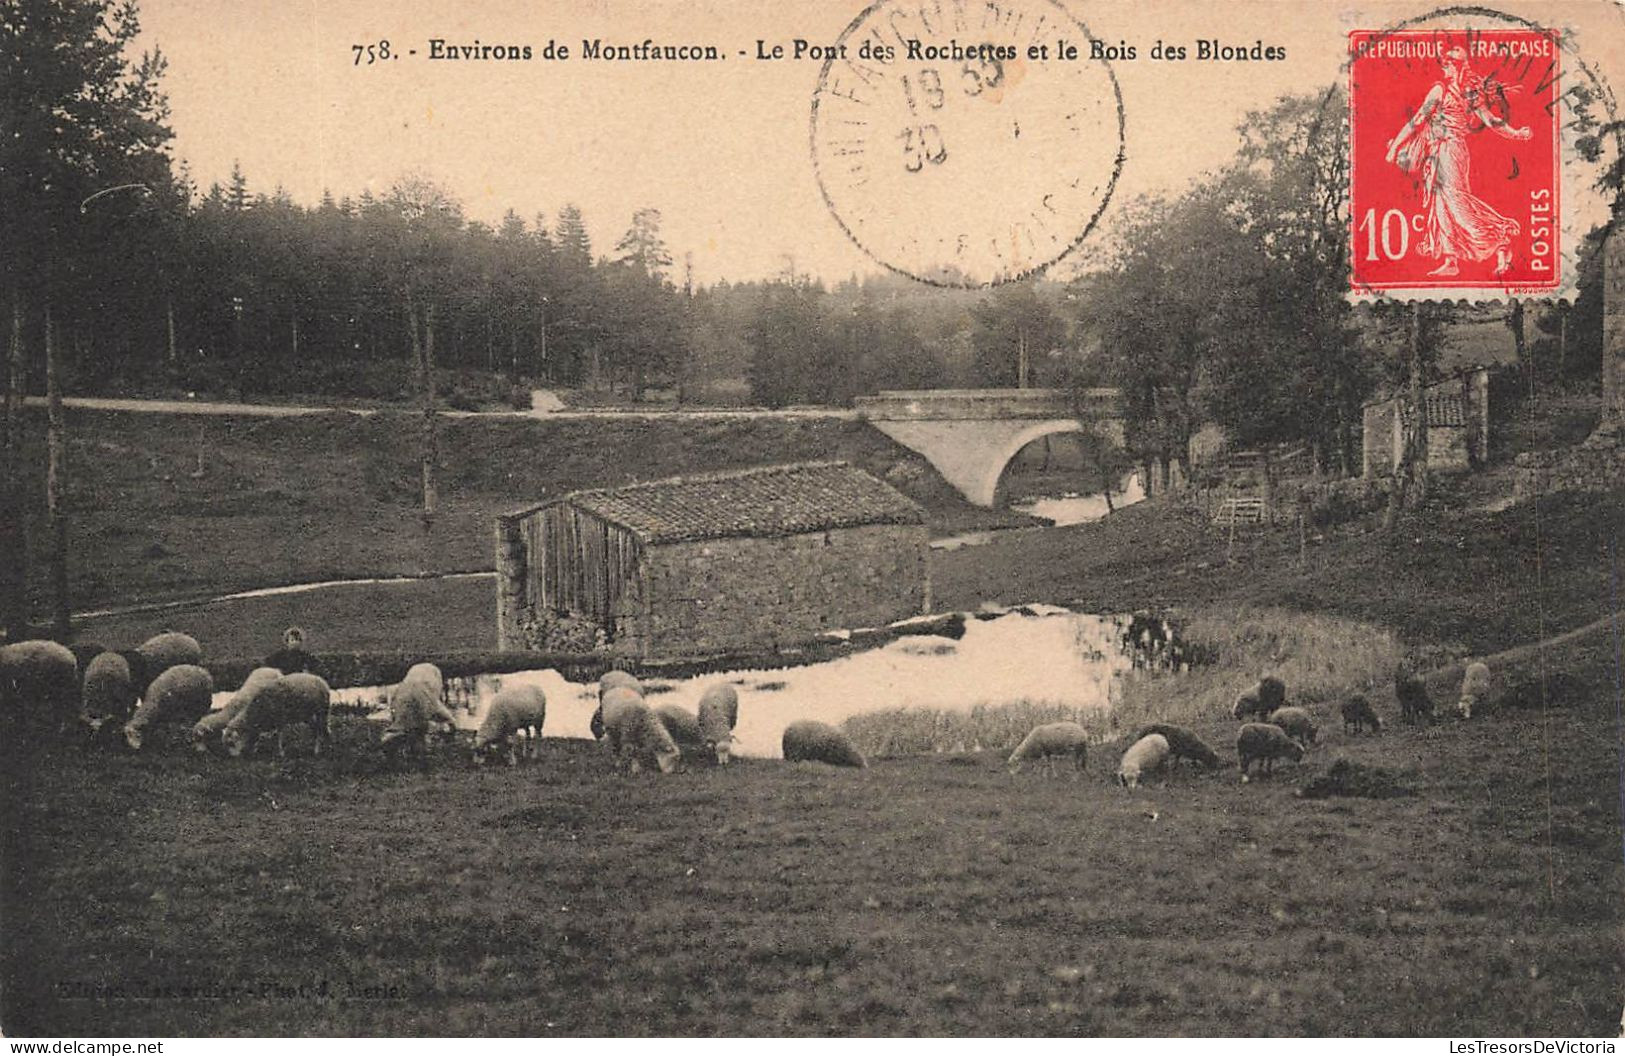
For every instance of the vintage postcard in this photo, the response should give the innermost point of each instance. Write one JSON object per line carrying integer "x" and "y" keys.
{"x": 912, "y": 518}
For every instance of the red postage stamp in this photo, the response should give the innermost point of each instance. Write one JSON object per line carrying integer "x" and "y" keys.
{"x": 1453, "y": 171}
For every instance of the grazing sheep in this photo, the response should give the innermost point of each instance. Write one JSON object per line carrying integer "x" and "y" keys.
{"x": 683, "y": 727}
{"x": 635, "y": 731}
{"x": 183, "y": 693}
{"x": 1298, "y": 724}
{"x": 300, "y": 699}
{"x": 1414, "y": 703}
{"x": 164, "y": 651}
{"x": 107, "y": 692}
{"x": 1144, "y": 755}
{"x": 84, "y": 653}
{"x": 39, "y": 685}
{"x": 1475, "y": 687}
{"x": 611, "y": 680}
{"x": 414, "y": 705}
{"x": 719, "y": 714}
{"x": 1262, "y": 697}
{"x": 619, "y": 680}
{"x": 819, "y": 742}
{"x": 610, "y": 703}
{"x": 1264, "y": 743}
{"x": 208, "y": 729}
{"x": 1357, "y": 715}
{"x": 1183, "y": 744}
{"x": 1050, "y": 740}
{"x": 515, "y": 709}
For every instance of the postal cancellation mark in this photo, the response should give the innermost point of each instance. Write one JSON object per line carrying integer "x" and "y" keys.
{"x": 949, "y": 153}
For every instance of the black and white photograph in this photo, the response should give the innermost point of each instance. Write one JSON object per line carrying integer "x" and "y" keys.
{"x": 671, "y": 519}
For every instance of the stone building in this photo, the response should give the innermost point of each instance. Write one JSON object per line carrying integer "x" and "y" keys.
{"x": 723, "y": 562}
{"x": 1458, "y": 414}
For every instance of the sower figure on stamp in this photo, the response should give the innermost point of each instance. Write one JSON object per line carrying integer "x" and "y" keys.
{"x": 1434, "y": 143}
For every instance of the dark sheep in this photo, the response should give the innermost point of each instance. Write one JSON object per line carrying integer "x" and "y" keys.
{"x": 1357, "y": 715}
{"x": 1182, "y": 744}
{"x": 1412, "y": 693}
{"x": 1264, "y": 743}
{"x": 1260, "y": 699}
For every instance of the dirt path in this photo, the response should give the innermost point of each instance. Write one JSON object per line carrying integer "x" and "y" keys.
{"x": 270, "y": 410}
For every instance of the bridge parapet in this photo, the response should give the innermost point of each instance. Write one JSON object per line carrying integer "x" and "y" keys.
{"x": 898, "y": 405}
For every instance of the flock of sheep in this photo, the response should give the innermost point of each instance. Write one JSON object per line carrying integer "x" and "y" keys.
{"x": 1282, "y": 731}
{"x": 163, "y": 682}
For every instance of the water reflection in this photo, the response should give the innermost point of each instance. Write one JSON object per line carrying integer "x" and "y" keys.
{"x": 1039, "y": 655}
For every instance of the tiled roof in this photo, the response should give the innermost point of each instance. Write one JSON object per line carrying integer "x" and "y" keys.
{"x": 763, "y": 501}
{"x": 1445, "y": 410}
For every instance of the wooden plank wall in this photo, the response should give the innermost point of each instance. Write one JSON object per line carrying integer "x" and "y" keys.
{"x": 577, "y": 562}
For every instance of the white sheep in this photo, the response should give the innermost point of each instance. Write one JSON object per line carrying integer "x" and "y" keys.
{"x": 299, "y": 699}
{"x": 208, "y": 729}
{"x": 39, "y": 685}
{"x": 1143, "y": 756}
{"x": 611, "y": 680}
{"x": 683, "y": 726}
{"x": 807, "y": 740}
{"x": 1051, "y": 741}
{"x": 1264, "y": 743}
{"x": 107, "y": 692}
{"x": 633, "y": 730}
{"x": 183, "y": 693}
{"x": 514, "y": 709}
{"x": 164, "y": 651}
{"x": 1297, "y": 723}
{"x": 1475, "y": 687}
{"x": 719, "y": 714}
{"x": 415, "y": 704}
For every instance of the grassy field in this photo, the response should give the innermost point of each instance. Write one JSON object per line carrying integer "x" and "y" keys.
{"x": 174, "y": 894}
{"x": 1450, "y": 582}
{"x": 333, "y": 496}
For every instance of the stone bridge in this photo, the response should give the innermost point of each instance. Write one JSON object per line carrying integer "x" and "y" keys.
{"x": 970, "y": 435}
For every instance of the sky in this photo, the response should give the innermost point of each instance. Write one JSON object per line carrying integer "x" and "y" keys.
{"x": 721, "y": 148}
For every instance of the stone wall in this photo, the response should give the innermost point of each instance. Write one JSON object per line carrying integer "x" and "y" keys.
{"x": 721, "y": 595}
{"x": 1597, "y": 464}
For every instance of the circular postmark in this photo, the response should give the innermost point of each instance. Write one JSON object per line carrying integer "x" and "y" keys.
{"x": 967, "y": 144}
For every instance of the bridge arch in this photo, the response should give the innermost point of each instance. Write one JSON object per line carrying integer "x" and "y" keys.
{"x": 999, "y": 458}
{"x": 971, "y": 436}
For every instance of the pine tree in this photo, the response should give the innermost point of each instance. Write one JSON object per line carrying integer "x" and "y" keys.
{"x": 642, "y": 246}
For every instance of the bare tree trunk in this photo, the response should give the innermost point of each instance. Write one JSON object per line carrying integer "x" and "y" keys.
{"x": 1520, "y": 341}
{"x": 15, "y": 540}
{"x": 423, "y": 352}
{"x": 1562, "y": 339}
{"x": 1419, "y": 412}
{"x": 169, "y": 318}
{"x": 1410, "y": 474}
{"x": 56, "y": 484}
